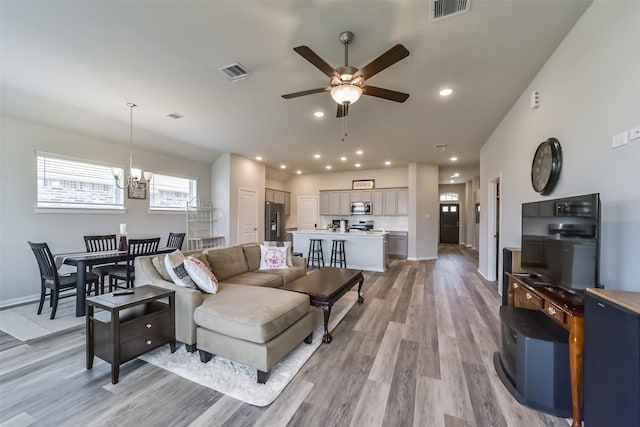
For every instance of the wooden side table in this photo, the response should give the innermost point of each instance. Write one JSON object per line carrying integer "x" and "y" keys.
{"x": 129, "y": 325}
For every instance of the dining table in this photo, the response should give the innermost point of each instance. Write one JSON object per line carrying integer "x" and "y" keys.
{"x": 85, "y": 260}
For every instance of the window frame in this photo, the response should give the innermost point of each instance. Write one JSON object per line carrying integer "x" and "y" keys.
{"x": 84, "y": 208}
{"x": 171, "y": 210}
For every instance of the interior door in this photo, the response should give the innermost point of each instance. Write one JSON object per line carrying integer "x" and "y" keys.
{"x": 247, "y": 216}
{"x": 449, "y": 223}
{"x": 307, "y": 212}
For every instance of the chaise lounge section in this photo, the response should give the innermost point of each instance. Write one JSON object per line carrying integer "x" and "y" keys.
{"x": 249, "y": 320}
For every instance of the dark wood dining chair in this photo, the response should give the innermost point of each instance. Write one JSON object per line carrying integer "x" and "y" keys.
{"x": 127, "y": 272}
{"x": 51, "y": 279}
{"x": 175, "y": 240}
{"x": 101, "y": 243}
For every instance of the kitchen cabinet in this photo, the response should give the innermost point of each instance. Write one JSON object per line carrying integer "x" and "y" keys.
{"x": 268, "y": 195}
{"x": 396, "y": 201}
{"x": 378, "y": 202}
{"x": 361, "y": 196}
{"x": 324, "y": 203}
{"x": 398, "y": 244}
{"x": 403, "y": 202}
{"x": 277, "y": 196}
{"x": 345, "y": 203}
{"x": 334, "y": 202}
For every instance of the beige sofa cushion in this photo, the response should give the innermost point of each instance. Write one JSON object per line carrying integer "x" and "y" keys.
{"x": 227, "y": 262}
{"x": 251, "y": 313}
{"x": 252, "y": 255}
{"x": 287, "y": 274}
{"x": 256, "y": 278}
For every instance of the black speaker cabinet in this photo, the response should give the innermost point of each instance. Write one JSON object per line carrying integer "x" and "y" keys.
{"x": 611, "y": 364}
{"x": 533, "y": 362}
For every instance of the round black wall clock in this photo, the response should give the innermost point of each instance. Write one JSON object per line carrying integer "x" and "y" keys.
{"x": 546, "y": 165}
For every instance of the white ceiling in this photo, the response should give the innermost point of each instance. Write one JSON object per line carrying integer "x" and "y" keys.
{"x": 76, "y": 64}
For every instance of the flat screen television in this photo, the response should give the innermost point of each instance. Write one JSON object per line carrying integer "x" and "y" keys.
{"x": 561, "y": 241}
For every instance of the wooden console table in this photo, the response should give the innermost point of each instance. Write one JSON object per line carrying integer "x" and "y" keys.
{"x": 567, "y": 310}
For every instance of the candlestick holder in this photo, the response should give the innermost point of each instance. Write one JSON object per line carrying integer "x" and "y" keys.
{"x": 124, "y": 246}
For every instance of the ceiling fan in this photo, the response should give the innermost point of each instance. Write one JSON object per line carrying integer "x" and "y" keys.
{"x": 346, "y": 83}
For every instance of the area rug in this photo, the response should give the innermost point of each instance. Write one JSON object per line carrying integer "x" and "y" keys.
{"x": 25, "y": 324}
{"x": 239, "y": 381}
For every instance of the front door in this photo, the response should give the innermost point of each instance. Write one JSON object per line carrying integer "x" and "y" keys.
{"x": 247, "y": 216}
{"x": 449, "y": 223}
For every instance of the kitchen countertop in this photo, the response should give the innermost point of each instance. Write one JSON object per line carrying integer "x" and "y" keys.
{"x": 354, "y": 233}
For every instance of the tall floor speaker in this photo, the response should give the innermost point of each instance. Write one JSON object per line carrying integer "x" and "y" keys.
{"x": 510, "y": 264}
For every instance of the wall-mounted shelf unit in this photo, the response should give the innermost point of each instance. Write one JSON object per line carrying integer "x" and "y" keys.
{"x": 200, "y": 225}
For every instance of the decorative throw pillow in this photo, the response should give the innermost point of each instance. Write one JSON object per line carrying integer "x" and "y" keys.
{"x": 202, "y": 257}
{"x": 273, "y": 257}
{"x": 283, "y": 244}
{"x": 158, "y": 263}
{"x": 174, "y": 263}
{"x": 201, "y": 275}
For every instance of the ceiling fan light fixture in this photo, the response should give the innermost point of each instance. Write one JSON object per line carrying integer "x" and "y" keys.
{"x": 346, "y": 93}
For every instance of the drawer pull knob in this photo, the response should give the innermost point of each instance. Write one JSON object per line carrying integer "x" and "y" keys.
{"x": 528, "y": 295}
{"x": 148, "y": 342}
{"x": 148, "y": 325}
{"x": 515, "y": 286}
{"x": 552, "y": 311}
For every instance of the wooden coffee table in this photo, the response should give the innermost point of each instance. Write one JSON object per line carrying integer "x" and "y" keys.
{"x": 325, "y": 287}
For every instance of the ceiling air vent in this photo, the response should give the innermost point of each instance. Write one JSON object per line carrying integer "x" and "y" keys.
{"x": 234, "y": 72}
{"x": 175, "y": 116}
{"x": 445, "y": 8}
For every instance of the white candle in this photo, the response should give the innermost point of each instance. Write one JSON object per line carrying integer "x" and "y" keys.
{"x": 123, "y": 228}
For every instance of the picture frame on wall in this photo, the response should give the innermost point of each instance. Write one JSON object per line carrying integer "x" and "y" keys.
{"x": 362, "y": 184}
{"x": 136, "y": 193}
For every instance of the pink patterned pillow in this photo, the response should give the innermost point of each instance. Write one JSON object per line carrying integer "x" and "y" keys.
{"x": 273, "y": 257}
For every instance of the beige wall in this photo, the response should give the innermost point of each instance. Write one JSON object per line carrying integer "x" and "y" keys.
{"x": 423, "y": 211}
{"x": 589, "y": 92}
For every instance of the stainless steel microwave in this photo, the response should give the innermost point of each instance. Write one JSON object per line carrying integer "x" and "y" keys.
{"x": 361, "y": 208}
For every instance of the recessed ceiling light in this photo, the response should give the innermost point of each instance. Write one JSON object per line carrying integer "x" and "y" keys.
{"x": 455, "y": 175}
{"x": 258, "y": 158}
{"x": 446, "y": 92}
{"x": 387, "y": 163}
{"x": 318, "y": 114}
{"x": 317, "y": 156}
{"x": 453, "y": 159}
{"x": 298, "y": 172}
{"x": 283, "y": 166}
{"x": 357, "y": 165}
{"x": 452, "y": 181}
{"x": 328, "y": 166}
{"x": 343, "y": 158}
{"x": 359, "y": 152}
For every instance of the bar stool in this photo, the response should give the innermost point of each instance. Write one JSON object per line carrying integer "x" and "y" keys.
{"x": 337, "y": 254}
{"x": 316, "y": 256}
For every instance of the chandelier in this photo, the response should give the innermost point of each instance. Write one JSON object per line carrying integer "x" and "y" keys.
{"x": 136, "y": 178}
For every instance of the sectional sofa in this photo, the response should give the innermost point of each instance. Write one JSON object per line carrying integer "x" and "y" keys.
{"x": 250, "y": 319}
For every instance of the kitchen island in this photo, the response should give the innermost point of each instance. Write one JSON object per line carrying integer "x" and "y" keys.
{"x": 364, "y": 250}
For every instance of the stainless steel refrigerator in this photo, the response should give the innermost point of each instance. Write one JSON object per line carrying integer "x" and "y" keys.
{"x": 274, "y": 222}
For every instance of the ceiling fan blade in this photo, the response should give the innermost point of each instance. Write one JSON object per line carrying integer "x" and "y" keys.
{"x": 343, "y": 110}
{"x": 387, "y": 59}
{"x": 306, "y": 92}
{"x": 379, "y": 92}
{"x": 319, "y": 63}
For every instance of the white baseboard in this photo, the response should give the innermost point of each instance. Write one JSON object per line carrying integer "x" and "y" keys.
{"x": 482, "y": 274}
{"x": 19, "y": 301}
{"x": 421, "y": 259}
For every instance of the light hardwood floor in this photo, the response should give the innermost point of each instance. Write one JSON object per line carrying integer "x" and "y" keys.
{"x": 418, "y": 352}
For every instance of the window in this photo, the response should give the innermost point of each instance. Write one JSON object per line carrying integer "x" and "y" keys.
{"x": 171, "y": 192}
{"x": 65, "y": 182}
{"x": 449, "y": 197}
